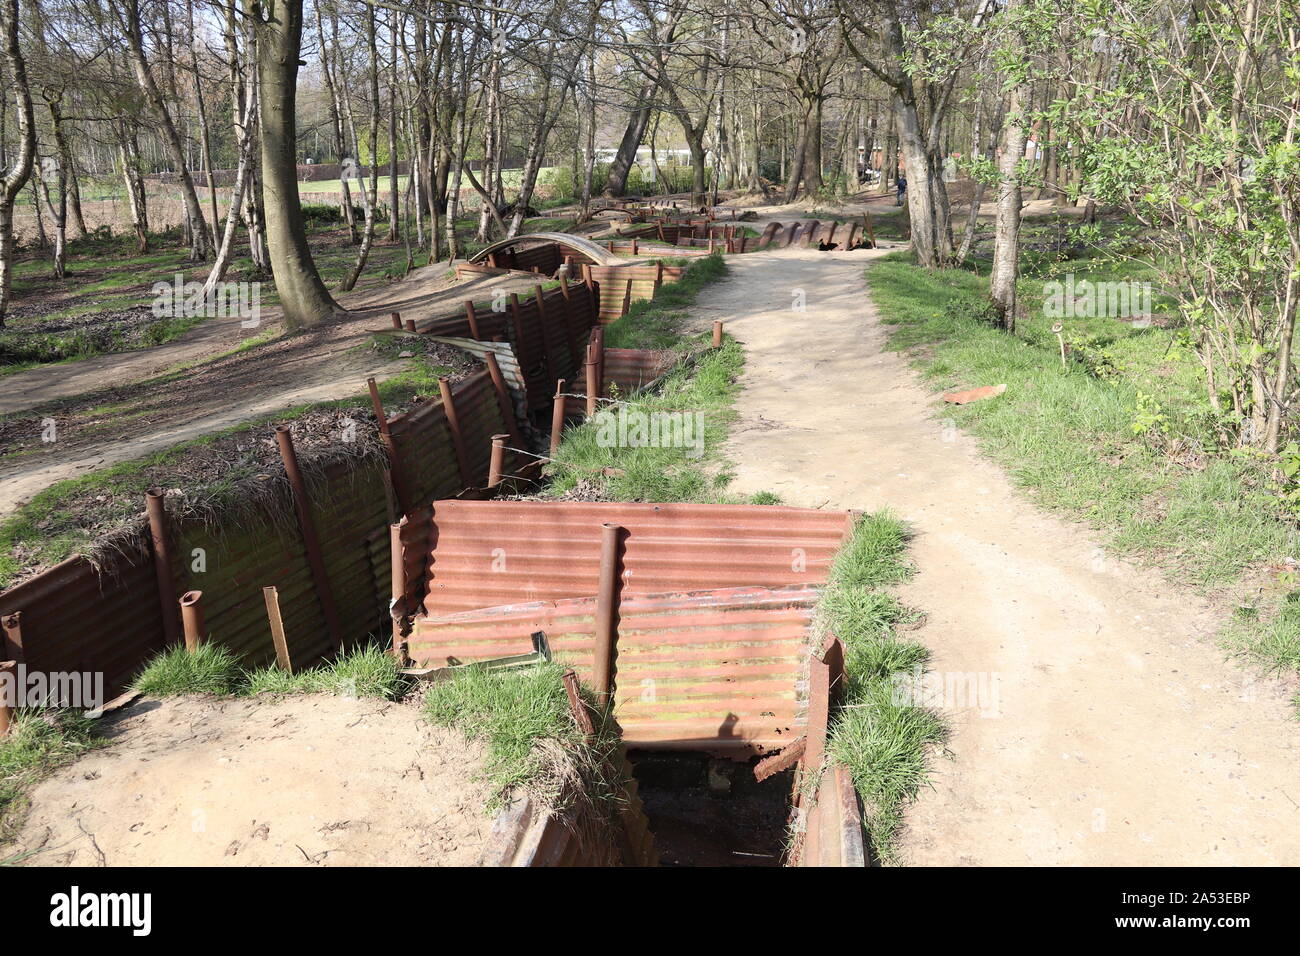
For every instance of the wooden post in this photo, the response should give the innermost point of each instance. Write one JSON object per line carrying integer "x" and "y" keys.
{"x": 397, "y": 601}
{"x": 606, "y": 613}
{"x": 192, "y": 618}
{"x": 311, "y": 543}
{"x": 162, "y": 562}
{"x": 272, "y": 598}
{"x": 557, "y": 417}
{"x": 453, "y": 425}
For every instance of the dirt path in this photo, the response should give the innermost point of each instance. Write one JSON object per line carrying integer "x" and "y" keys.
{"x": 264, "y": 782}
{"x": 1117, "y": 733}
{"x": 325, "y": 363}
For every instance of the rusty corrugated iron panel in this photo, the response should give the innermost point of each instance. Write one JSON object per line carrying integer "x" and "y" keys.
{"x": 623, "y": 284}
{"x": 832, "y": 826}
{"x": 716, "y": 670}
{"x": 628, "y": 370}
{"x": 488, "y": 553}
{"x": 572, "y": 245}
{"x": 76, "y": 617}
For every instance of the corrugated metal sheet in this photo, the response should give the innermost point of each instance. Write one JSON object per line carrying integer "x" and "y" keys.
{"x": 628, "y": 370}
{"x": 573, "y": 245}
{"x": 623, "y": 284}
{"x": 76, "y": 618}
{"x": 717, "y": 670}
{"x": 832, "y": 827}
{"x": 487, "y": 553}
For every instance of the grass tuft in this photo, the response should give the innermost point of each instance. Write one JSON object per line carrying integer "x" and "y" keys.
{"x": 211, "y": 669}
{"x": 39, "y": 741}
{"x": 533, "y": 744}
{"x": 880, "y": 736}
{"x": 367, "y": 671}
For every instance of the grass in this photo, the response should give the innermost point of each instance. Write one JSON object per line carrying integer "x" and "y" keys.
{"x": 1076, "y": 439}
{"x": 882, "y": 737}
{"x": 656, "y": 323}
{"x": 521, "y": 714}
{"x": 699, "y": 391}
{"x": 1119, "y": 437}
{"x": 47, "y": 531}
{"x": 366, "y": 671}
{"x": 39, "y": 742}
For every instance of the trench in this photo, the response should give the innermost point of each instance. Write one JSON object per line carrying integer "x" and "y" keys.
{"x": 705, "y": 811}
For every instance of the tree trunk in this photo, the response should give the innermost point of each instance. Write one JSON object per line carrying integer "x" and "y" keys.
{"x": 621, "y": 166}
{"x": 1006, "y": 240}
{"x": 15, "y": 176}
{"x": 170, "y": 136}
{"x": 303, "y": 296}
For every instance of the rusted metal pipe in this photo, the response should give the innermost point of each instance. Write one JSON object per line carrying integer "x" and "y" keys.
{"x": 497, "y": 462}
{"x": 717, "y": 333}
{"x": 397, "y": 475}
{"x": 315, "y": 559}
{"x": 7, "y": 704}
{"x": 472, "y": 317}
{"x": 162, "y": 562}
{"x": 557, "y": 417}
{"x": 192, "y": 618}
{"x": 457, "y": 440}
{"x": 13, "y": 636}
{"x": 592, "y": 371}
{"x": 397, "y": 320}
{"x": 503, "y": 397}
{"x": 606, "y": 613}
{"x": 410, "y": 325}
{"x": 272, "y": 598}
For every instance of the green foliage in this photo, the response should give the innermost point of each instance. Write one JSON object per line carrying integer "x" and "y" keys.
{"x": 533, "y": 744}
{"x": 365, "y": 671}
{"x": 39, "y": 742}
{"x": 882, "y": 738}
{"x": 211, "y": 669}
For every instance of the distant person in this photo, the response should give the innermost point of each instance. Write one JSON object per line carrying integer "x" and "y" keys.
{"x": 902, "y": 191}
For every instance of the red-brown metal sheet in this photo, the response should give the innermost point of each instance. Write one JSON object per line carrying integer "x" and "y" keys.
{"x": 489, "y": 553}
{"x": 714, "y": 670}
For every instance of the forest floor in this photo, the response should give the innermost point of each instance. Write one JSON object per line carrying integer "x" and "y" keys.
{"x": 102, "y": 416}
{"x": 1093, "y": 720}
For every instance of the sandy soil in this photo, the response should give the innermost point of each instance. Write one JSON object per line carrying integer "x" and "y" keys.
{"x": 1111, "y": 730}
{"x": 321, "y": 364}
{"x": 297, "y": 781}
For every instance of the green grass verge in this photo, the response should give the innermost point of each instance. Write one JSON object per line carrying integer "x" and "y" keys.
{"x": 656, "y": 323}
{"x": 366, "y": 671}
{"x": 700, "y": 390}
{"x": 880, "y": 735}
{"x": 39, "y": 742}
{"x": 523, "y": 717}
{"x": 1118, "y": 437}
{"x": 1077, "y": 439}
